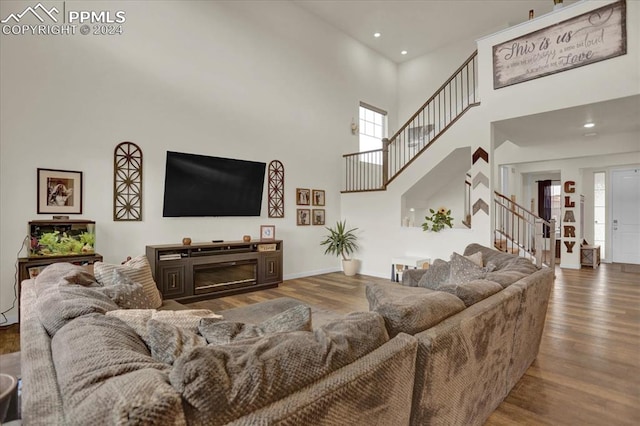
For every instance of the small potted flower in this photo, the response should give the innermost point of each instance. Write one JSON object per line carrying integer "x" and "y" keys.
{"x": 438, "y": 220}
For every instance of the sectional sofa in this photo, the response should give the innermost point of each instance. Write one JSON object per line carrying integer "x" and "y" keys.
{"x": 431, "y": 351}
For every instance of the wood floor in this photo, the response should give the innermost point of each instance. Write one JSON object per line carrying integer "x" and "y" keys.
{"x": 588, "y": 368}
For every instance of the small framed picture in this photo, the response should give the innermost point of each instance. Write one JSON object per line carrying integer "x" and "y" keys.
{"x": 267, "y": 232}
{"x": 317, "y": 197}
{"x": 59, "y": 191}
{"x": 318, "y": 216}
{"x": 303, "y": 217}
{"x": 302, "y": 196}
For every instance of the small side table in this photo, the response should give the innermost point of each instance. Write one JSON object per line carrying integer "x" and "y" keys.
{"x": 590, "y": 256}
{"x": 399, "y": 264}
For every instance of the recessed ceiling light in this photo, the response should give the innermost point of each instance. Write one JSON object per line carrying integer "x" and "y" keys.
{"x": 404, "y": 52}
{"x": 589, "y": 125}
{"x": 376, "y": 35}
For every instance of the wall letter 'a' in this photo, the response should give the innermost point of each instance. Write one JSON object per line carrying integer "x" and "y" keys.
{"x": 568, "y": 216}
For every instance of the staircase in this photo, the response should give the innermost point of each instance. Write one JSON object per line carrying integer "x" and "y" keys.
{"x": 374, "y": 170}
{"x": 518, "y": 231}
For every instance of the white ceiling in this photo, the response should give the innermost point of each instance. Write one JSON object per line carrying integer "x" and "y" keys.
{"x": 422, "y": 26}
{"x": 610, "y": 117}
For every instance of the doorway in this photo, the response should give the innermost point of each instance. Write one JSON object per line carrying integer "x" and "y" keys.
{"x": 625, "y": 216}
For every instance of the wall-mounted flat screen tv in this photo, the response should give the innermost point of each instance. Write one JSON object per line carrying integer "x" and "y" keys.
{"x": 199, "y": 185}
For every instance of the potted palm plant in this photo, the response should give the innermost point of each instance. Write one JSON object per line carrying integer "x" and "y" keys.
{"x": 341, "y": 242}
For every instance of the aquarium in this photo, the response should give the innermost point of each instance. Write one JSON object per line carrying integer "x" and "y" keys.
{"x": 61, "y": 237}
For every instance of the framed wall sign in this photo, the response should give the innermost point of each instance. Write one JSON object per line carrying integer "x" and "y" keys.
{"x": 59, "y": 191}
{"x": 584, "y": 39}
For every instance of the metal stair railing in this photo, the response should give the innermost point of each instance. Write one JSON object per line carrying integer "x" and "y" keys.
{"x": 517, "y": 230}
{"x": 374, "y": 170}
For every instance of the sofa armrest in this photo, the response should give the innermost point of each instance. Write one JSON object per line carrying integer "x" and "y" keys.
{"x": 41, "y": 400}
{"x": 352, "y": 395}
{"x": 411, "y": 277}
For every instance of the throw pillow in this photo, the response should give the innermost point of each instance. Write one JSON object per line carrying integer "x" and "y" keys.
{"x": 125, "y": 293}
{"x": 137, "y": 270}
{"x": 218, "y": 332}
{"x": 411, "y": 309}
{"x": 463, "y": 270}
{"x": 437, "y": 273}
{"x": 475, "y": 258}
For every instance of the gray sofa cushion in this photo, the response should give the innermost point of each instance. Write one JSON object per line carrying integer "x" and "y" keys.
{"x": 504, "y": 268}
{"x": 437, "y": 273}
{"x": 473, "y": 291}
{"x": 411, "y": 309}
{"x": 220, "y": 383}
{"x": 107, "y": 376}
{"x": 220, "y": 332}
{"x": 125, "y": 293}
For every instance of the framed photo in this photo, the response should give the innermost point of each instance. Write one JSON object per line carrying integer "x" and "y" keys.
{"x": 318, "y": 216}
{"x": 59, "y": 191}
{"x": 317, "y": 197}
{"x": 303, "y": 217}
{"x": 303, "y": 196}
{"x": 267, "y": 232}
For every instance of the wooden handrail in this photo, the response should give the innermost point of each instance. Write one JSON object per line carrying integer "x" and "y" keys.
{"x": 513, "y": 202}
{"x": 353, "y": 154}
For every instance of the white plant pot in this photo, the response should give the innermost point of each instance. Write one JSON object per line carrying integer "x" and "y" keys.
{"x": 350, "y": 267}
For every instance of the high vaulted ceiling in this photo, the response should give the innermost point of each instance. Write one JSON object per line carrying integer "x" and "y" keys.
{"x": 422, "y": 26}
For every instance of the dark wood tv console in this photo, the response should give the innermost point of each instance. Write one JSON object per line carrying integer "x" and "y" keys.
{"x": 207, "y": 270}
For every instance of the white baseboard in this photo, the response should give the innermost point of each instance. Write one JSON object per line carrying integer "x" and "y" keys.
{"x": 11, "y": 318}
{"x": 570, "y": 266}
{"x": 311, "y": 273}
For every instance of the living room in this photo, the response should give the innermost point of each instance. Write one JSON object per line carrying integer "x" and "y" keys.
{"x": 256, "y": 81}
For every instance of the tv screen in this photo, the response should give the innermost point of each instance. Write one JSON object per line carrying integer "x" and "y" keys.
{"x": 199, "y": 185}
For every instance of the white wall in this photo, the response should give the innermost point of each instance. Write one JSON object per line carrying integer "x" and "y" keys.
{"x": 250, "y": 80}
{"x": 419, "y": 78}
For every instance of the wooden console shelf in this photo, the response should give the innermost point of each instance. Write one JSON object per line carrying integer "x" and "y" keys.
{"x": 208, "y": 270}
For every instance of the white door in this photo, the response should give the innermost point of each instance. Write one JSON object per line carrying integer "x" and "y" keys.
{"x": 625, "y": 215}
